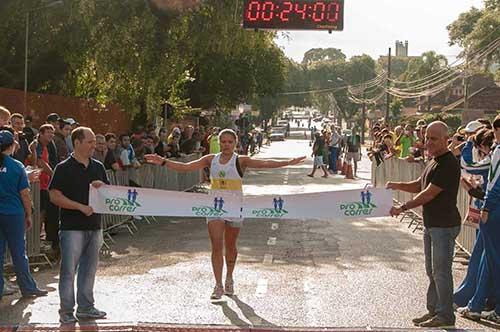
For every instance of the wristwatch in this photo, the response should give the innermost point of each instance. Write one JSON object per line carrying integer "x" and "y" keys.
{"x": 164, "y": 162}
{"x": 403, "y": 207}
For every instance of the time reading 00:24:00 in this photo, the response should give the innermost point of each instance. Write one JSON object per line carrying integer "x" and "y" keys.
{"x": 316, "y": 11}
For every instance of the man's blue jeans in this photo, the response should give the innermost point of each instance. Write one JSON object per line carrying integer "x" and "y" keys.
{"x": 334, "y": 155}
{"x": 12, "y": 231}
{"x": 79, "y": 252}
{"x": 439, "y": 246}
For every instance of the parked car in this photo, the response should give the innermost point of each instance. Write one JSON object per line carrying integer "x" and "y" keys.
{"x": 282, "y": 123}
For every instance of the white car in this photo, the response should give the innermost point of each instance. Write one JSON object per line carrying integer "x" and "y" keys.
{"x": 277, "y": 136}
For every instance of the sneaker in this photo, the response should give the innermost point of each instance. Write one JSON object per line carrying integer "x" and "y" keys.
{"x": 438, "y": 322}
{"x": 467, "y": 313}
{"x": 423, "y": 318}
{"x": 217, "y": 293}
{"x": 91, "y": 313}
{"x": 229, "y": 288}
{"x": 493, "y": 317}
{"x": 36, "y": 293}
{"x": 67, "y": 318}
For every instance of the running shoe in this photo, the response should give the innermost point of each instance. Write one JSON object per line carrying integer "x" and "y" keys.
{"x": 217, "y": 293}
{"x": 229, "y": 287}
{"x": 493, "y": 317}
{"x": 92, "y": 313}
{"x": 467, "y": 313}
{"x": 67, "y": 318}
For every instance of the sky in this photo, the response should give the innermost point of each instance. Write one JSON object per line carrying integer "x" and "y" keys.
{"x": 372, "y": 26}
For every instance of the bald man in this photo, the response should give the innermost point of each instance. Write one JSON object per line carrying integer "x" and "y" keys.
{"x": 437, "y": 191}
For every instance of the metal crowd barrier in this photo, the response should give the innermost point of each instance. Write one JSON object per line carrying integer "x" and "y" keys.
{"x": 147, "y": 176}
{"x": 399, "y": 170}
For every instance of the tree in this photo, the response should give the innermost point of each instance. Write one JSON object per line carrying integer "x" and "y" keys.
{"x": 321, "y": 55}
{"x": 476, "y": 28}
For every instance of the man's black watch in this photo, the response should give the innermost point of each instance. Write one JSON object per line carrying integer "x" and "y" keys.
{"x": 404, "y": 208}
{"x": 164, "y": 162}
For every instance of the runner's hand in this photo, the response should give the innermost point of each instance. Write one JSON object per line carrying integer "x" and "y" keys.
{"x": 296, "y": 161}
{"x": 391, "y": 185}
{"x": 154, "y": 159}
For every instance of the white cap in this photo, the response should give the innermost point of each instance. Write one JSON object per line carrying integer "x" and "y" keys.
{"x": 473, "y": 126}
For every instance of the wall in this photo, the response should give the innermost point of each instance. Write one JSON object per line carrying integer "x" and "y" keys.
{"x": 85, "y": 111}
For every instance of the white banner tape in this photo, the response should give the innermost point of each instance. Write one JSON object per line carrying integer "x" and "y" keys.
{"x": 361, "y": 203}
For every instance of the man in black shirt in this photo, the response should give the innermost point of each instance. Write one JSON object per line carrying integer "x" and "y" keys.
{"x": 80, "y": 229}
{"x": 437, "y": 190}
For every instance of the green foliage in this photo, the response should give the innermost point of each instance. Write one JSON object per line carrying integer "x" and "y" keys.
{"x": 476, "y": 28}
{"x": 322, "y": 55}
{"x": 118, "y": 51}
{"x": 452, "y": 120}
{"x": 395, "y": 107}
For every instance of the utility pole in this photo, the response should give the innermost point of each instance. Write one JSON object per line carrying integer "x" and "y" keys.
{"x": 363, "y": 114}
{"x": 388, "y": 84}
{"x": 466, "y": 90}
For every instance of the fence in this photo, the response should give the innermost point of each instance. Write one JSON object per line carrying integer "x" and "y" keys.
{"x": 399, "y": 170}
{"x": 147, "y": 176}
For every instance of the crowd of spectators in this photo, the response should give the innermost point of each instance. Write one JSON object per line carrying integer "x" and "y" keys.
{"x": 331, "y": 145}
{"x": 41, "y": 149}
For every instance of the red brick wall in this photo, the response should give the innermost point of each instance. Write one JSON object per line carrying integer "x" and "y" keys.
{"x": 85, "y": 111}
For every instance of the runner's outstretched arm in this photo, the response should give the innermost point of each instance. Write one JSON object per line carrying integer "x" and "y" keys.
{"x": 179, "y": 166}
{"x": 247, "y": 162}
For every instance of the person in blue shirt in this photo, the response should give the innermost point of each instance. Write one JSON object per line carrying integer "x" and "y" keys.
{"x": 15, "y": 216}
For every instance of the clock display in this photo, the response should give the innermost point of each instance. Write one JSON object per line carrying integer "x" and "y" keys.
{"x": 294, "y": 15}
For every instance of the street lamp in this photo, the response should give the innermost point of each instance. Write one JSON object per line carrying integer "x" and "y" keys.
{"x": 26, "y": 46}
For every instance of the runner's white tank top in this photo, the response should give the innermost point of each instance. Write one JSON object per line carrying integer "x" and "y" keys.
{"x": 225, "y": 177}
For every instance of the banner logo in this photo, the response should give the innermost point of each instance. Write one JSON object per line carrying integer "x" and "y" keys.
{"x": 118, "y": 204}
{"x": 363, "y": 208}
{"x": 277, "y": 211}
{"x": 208, "y": 211}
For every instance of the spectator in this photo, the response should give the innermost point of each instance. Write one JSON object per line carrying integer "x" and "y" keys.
{"x": 4, "y": 116}
{"x": 47, "y": 160}
{"x": 317, "y": 154}
{"x": 22, "y": 153}
{"x": 213, "y": 141}
{"x": 406, "y": 141}
{"x": 189, "y": 145}
{"x": 63, "y": 130}
{"x": 149, "y": 144}
{"x": 28, "y": 130}
{"x": 161, "y": 147}
{"x": 334, "y": 147}
{"x": 81, "y": 233}
{"x": 73, "y": 125}
{"x": 15, "y": 217}
{"x": 126, "y": 152}
{"x": 353, "y": 149}
{"x": 104, "y": 154}
{"x": 437, "y": 190}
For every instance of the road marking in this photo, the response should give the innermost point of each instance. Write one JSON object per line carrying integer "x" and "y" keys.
{"x": 268, "y": 259}
{"x": 261, "y": 287}
{"x": 271, "y": 241}
{"x": 274, "y": 226}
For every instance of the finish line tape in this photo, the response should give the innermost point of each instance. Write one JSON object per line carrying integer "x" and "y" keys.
{"x": 360, "y": 203}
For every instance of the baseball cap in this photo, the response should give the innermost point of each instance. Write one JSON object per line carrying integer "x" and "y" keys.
{"x": 70, "y": 121}
{"x": 473, "y": 126}
{"x": 6, "y": 137}
{"x": 53, "y": 117}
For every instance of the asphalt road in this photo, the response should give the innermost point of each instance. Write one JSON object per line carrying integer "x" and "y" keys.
{"x": 289, "y": 273}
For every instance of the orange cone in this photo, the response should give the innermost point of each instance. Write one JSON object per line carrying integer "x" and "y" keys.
{"x": 344, "y": 167}
{"x": 349, "y": 173}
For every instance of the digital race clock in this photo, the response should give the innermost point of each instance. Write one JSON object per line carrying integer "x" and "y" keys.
{"x": 294, "y": 15}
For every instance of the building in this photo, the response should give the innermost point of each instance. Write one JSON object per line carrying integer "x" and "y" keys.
{"x": 401, "y": 49}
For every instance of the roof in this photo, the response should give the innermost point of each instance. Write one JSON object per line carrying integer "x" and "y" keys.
{"x": 487, "y": 98}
